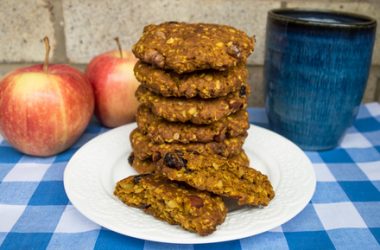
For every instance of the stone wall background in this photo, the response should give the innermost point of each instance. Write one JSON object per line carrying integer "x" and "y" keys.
{"x": 80, "y": 29}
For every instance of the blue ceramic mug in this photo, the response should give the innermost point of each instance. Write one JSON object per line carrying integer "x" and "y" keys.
{"x": 316, "y": 70}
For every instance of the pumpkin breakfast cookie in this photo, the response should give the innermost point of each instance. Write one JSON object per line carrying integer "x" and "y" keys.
{"x": 159, "y": 130}
{"x": 194, "y": 210}
{"x": 204, "y": 84}
{"x": 194, "y": 110}
{"x": 150, "y": 165}
{"x": 144, "y": 148}
{"x": 225, "y": 177}
{"x": 185, "y": 47}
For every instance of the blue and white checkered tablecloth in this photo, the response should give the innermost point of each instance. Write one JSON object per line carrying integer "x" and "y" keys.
{"x": 344, "y": 212}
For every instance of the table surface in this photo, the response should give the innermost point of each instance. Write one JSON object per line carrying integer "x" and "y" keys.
{"x": 344, "y": 212}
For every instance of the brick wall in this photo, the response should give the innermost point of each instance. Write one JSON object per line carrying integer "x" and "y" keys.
{"x": 81, "y": 29}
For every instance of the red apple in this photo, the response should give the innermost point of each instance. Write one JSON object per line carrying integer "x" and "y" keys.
{"x": 44, "y": 108}
{"x": 114, "y": 83}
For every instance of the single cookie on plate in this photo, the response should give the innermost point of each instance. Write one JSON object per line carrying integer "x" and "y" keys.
{"x": 144, "y": 148}
{"x": 204, "y": 84}
{"x": 194, "y": 110}
{"x": 187, "y": 47}
{"x": 194, "y": 210}
{"x": 160, "y": 131}
{"x": 147, "y": 166}
{"x": 225, "y": 177}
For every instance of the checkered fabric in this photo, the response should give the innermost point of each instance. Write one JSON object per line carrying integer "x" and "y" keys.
{"x": 344, "y": 212}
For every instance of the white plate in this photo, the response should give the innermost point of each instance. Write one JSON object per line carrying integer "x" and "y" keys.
{"x": 92, "y": 172}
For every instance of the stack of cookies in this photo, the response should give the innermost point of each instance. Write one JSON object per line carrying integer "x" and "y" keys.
{"x": 192, "y": 123}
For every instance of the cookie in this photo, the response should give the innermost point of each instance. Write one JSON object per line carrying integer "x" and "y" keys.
{"x": 147, "y": 165}
{"x": 187, "y": 47}
{"x": 194, "y": 110}
{"x": 144, "y": 148}
{"x": 204, "y": 84}
{"x": 215, "y": 174}
{"x": 194, "y": 210}
{"x": 160, "y": 131}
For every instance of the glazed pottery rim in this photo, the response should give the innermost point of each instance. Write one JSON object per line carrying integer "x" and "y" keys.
{"x": 282, "y": 14}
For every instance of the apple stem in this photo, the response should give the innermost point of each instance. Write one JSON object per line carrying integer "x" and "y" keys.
{"x": 47, "y": 51}
{"x": 119, "y": 46}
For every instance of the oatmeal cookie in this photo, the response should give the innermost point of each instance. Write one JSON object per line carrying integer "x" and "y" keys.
{"x": 144, "y": 148}
{"x": 204, "y": 84}
{"x": 225, "y": 177}
{"x": 194, "y": 210}
{"x": 147, "y": 166}
{"x": 194, "y": 110}
{"x": 187, "y": 47}
{"x": 160, "y": 131}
